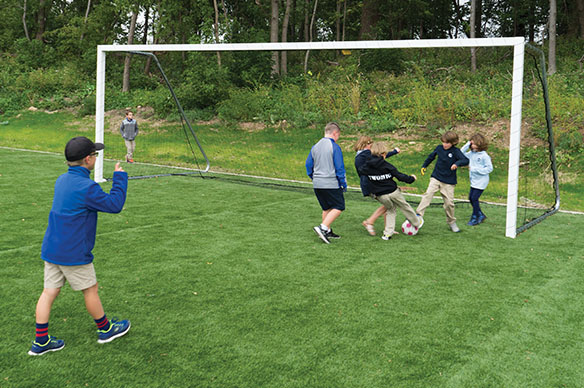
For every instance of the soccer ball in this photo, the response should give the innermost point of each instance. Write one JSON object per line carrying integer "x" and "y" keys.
{"x": 409, "y": 229}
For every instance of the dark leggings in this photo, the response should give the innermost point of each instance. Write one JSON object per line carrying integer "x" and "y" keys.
{"x": 473, "y": 197}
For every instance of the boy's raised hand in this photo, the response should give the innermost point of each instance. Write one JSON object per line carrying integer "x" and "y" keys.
{"x": 453, "y": 167}
{"x": 118, "y": 167}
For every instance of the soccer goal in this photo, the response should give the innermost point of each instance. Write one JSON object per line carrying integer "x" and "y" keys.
{"x": 517, "y": 43}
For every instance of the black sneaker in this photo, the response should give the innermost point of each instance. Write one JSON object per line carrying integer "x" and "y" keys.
{"x": 322, "y": 234}
{"x": 330, "y": 234}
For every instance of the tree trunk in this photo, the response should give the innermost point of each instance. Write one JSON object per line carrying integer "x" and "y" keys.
{"x": 306, "y": 20}
{"x": 293, "y": 22}
{"x": 24, "y": 21}
{"x": 581, "y": 17}
{"x": 216, "y": 27}
{"x": 369, "y": 18}
{"x": 274, "y": 27}
{"x": 552, "y": 42}
{"x": 344, "y": 19}
{"x": 41, "y": 19}
{"x": 338, "y": 24}
{"x": 338, "y": 21}
{"x": 85, "y": 19}
{"x": 478, "y": 17}
{"x": 127, "y": 62}
{"x": 311, "y": 26}
{"x": 473, "y": 50}
{"x": 284, "y": 54}
{"x": 146, "y": 25}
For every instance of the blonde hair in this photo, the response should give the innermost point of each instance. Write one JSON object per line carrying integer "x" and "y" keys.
{"x": 378, "y": 148}
{"x": 363, "y": 142}
{"x": 449, "y": 137}
{"x": 480, "y": 141}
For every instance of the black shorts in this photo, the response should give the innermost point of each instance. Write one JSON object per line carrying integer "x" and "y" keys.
{"x": 330, "y": 198}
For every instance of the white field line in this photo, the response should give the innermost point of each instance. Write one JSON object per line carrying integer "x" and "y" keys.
{"x": 353, "y": 188}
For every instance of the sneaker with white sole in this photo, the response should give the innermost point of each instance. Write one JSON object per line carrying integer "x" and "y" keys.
{"x": 52, "y": 345}
{"x": 330, "y": 234}
{"x": 386, "y": 237}
{"x": 421, "y": 221}
{"x": 116, "y": 330}
{"x": 322, "y": 234}
{"x": 454, "y": 227}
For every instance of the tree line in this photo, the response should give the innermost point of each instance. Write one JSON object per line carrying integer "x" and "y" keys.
{"x": 73, "y": 27}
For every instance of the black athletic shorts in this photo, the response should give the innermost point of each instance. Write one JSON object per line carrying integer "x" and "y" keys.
{"x": 330, "y": 198}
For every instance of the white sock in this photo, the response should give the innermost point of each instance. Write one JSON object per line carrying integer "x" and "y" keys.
{"x": 324, "y": 227}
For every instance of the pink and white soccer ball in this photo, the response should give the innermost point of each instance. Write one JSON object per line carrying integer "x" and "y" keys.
{"x": 409, "y": 229}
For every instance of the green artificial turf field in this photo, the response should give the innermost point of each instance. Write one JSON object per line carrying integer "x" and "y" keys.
{"x": 226, "y": 285}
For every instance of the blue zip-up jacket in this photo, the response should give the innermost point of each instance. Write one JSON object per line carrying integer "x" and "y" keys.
{"x": 446, "y": 158}
{"x": 479, "y": 168}
{"x": 360, "y": 159}
{"x": 325, "y": 165}
{"x": 70, "y": 236}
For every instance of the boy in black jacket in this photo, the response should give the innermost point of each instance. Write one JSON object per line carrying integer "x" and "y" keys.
{"x": 443, "y": 177}
{"x": 380, "y": 174}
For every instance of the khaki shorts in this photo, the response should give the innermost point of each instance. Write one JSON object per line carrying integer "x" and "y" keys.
{"x": 79, "y": 277}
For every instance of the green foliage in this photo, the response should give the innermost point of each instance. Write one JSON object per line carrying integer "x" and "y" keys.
{"x": 34, "y": 54}
{"x": 245, "y": 105}
{"x": 204, "y": 83}
{"x": 388, "y": 60}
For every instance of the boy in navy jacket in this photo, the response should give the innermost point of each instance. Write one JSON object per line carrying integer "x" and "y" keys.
{"x": 380, "y": 174}
{"x": 70, "y": 238}
{"x": 443, "y": 177}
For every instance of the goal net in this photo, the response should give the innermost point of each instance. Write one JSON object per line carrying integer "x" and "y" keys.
{"x": 183, "y": 153}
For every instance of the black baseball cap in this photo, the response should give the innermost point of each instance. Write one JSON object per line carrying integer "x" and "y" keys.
{"x": 79, "y": 147}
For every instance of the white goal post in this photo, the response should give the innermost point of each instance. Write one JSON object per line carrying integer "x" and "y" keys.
{"x": 518, "y": 44}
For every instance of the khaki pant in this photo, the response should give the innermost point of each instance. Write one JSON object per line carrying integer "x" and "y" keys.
{"x": 130, "y": 147}
{"x": 392, "y": 202}
{"x": 447, "y": 193}
{"x": 80, "y": 277}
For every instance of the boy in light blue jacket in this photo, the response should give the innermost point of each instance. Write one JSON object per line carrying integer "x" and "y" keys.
{"x": 480, "y": 167}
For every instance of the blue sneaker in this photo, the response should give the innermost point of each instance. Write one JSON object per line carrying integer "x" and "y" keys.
{"x": 473, "y": 221}
{"x": 116, "y": 329}
{"x": 52, "y": 345}
{"x": 481, "y": 218}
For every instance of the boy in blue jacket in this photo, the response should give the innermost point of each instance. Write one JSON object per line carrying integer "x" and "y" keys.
{"x": 443, "y": 177}
{"x": 325, "y": 166}
{"x": 70, "y": 238}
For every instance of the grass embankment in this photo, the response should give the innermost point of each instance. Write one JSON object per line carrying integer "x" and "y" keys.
{"x": 276, "y": 151}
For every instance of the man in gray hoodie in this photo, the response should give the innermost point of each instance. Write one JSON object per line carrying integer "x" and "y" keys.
{"x": 129, "y": 131}
{"x": 325, "y": 166}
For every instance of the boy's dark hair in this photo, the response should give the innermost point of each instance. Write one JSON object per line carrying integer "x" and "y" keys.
{"x": 129, "y": 111}
{"x": 449, "y": 137}
{"x": 480, "y": 141}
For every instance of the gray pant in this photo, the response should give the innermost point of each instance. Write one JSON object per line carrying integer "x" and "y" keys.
{"x": 392, "y": 202}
